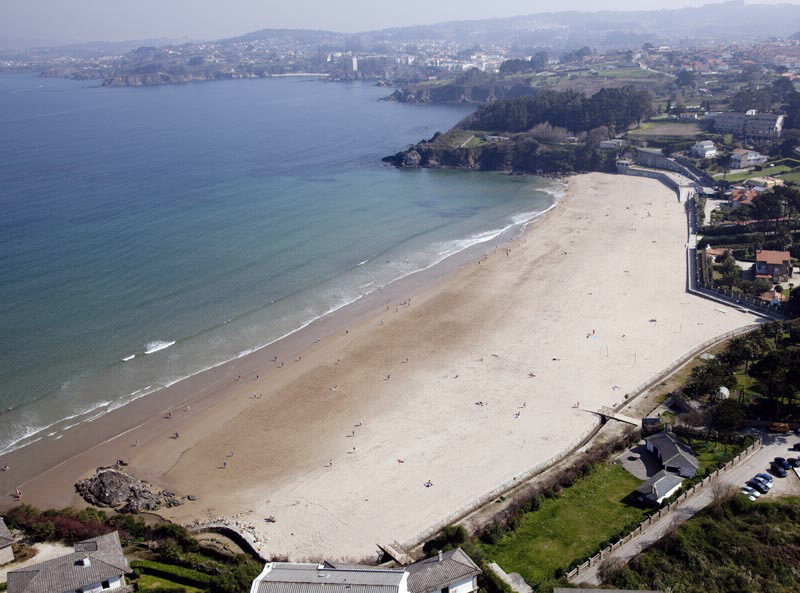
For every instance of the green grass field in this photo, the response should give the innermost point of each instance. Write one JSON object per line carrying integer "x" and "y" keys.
{"x": 474, "y": 141}
{"x": 793, "y": 177}
{"x": 766, "y": 171}
{"x": 568, "y": 528}
{"x": 672, "y": 129}
{"x": 147, "y": 581}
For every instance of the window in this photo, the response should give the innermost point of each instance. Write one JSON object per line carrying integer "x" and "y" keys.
{"x": 446, "y": 589}
{"x": 106, "y": 585}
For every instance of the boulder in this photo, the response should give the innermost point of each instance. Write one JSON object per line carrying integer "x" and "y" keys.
{"x": 110, "y": 487}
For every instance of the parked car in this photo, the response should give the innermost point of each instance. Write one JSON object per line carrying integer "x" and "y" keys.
{"x": 750, "y": 491}
{"x": 758, "y": 485}
{"x": 747, "y": 491}
{"x": 782, "y": 463}
{"x": 796, "y": 446}
{"x": 778, "y": 470}
{"x": 766, "y": 478}
{"x": 779, "y": 427}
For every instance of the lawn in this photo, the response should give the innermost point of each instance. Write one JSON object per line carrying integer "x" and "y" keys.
{"x": 793, "y": 177}
{"x": 474, "y": 141}
{"x": 570, "y": 527}
{"x": 711, "y": 453}
{"x": 673, "y": 128}
{"x": 147, "y": 581}
{"x": 628, "y": 73}
{"x": 766, "y": 171}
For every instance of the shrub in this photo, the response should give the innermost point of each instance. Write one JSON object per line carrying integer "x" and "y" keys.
{"x": 179, "y": 574}
{"x": 448, "y": 538}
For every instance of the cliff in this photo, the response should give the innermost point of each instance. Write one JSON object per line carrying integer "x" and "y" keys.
{"x": 520, "y": 153}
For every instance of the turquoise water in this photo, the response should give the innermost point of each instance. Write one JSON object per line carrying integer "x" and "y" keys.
{"x": 202, "y": 221}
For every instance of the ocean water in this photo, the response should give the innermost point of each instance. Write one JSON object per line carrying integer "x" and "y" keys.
{"x": 188, "y": 225}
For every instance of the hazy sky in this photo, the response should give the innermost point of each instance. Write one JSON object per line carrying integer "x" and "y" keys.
{"x": 84, "y": 20}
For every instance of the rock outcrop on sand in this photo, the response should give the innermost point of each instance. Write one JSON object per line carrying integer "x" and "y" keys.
{"x": 111, "y": 487}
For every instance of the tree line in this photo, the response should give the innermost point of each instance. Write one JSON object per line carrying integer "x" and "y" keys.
{"x": 616, "y": 108}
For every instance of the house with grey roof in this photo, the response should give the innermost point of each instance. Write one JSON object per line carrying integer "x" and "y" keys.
{"x": 447, "y": 572}
{"x": 674, "y": 455}
{"x": 6, "y": 553}
{"x": 308, "y": 577}
{"x": 659, "y": 487}
{"x": 97, "y": 565}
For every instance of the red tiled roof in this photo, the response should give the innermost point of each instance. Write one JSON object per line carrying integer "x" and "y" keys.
{"x": 743, "y": 196}
{"x": 772, "y": 257}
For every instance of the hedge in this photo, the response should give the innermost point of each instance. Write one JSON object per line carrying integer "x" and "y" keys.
{"x": 179, "y": 574}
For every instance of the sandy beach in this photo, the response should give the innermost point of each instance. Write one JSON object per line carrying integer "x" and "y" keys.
{"x": 417, "y": 409}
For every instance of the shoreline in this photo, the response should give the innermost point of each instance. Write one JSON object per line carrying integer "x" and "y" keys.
{"x": 213, "y": 380}
{"x": 471, "y": 384}
{"x": 409, "y": 282}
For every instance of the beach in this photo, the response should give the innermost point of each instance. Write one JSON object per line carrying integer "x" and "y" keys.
{"x": 372, "y": 427}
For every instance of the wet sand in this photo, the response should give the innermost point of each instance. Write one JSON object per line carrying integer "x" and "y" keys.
{"x": 464, "y": 388}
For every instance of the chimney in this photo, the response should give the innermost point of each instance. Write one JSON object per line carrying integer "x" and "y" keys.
{"x": 440, "y": 555}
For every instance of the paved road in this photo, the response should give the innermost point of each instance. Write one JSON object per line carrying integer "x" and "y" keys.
{"x": 774, "y": 446}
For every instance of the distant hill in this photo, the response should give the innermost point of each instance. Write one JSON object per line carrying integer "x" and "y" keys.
{"x": 725, "y": 21}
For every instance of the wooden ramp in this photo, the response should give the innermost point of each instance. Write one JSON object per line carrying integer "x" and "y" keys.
{"x": 397, "y": 553}
{"x": 609, "y": 413}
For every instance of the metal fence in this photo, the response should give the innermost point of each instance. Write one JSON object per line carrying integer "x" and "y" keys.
{"x": 662, "y": 512}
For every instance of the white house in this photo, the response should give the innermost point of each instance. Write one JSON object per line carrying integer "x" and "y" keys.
{"x": 704, "y": 149}
{"x": 6, "y": 553}
{"x": 447, "y": 572}
{"x": 659, "y": 487}
{"x": 741, "y": 158}
{"x": 97, "y": 565}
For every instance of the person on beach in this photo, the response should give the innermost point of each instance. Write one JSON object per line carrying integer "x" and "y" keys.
{"x": 6, "y": 468}
{"x": 18, "y": 493}
{"x": 177, "y": 435}
{"x": 224, "y": 465}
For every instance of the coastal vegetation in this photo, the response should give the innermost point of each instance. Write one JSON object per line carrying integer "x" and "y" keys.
{"x": 734, "y": 546}
{"x": 614, "y": 108}
{"x": 166, "y": 553}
